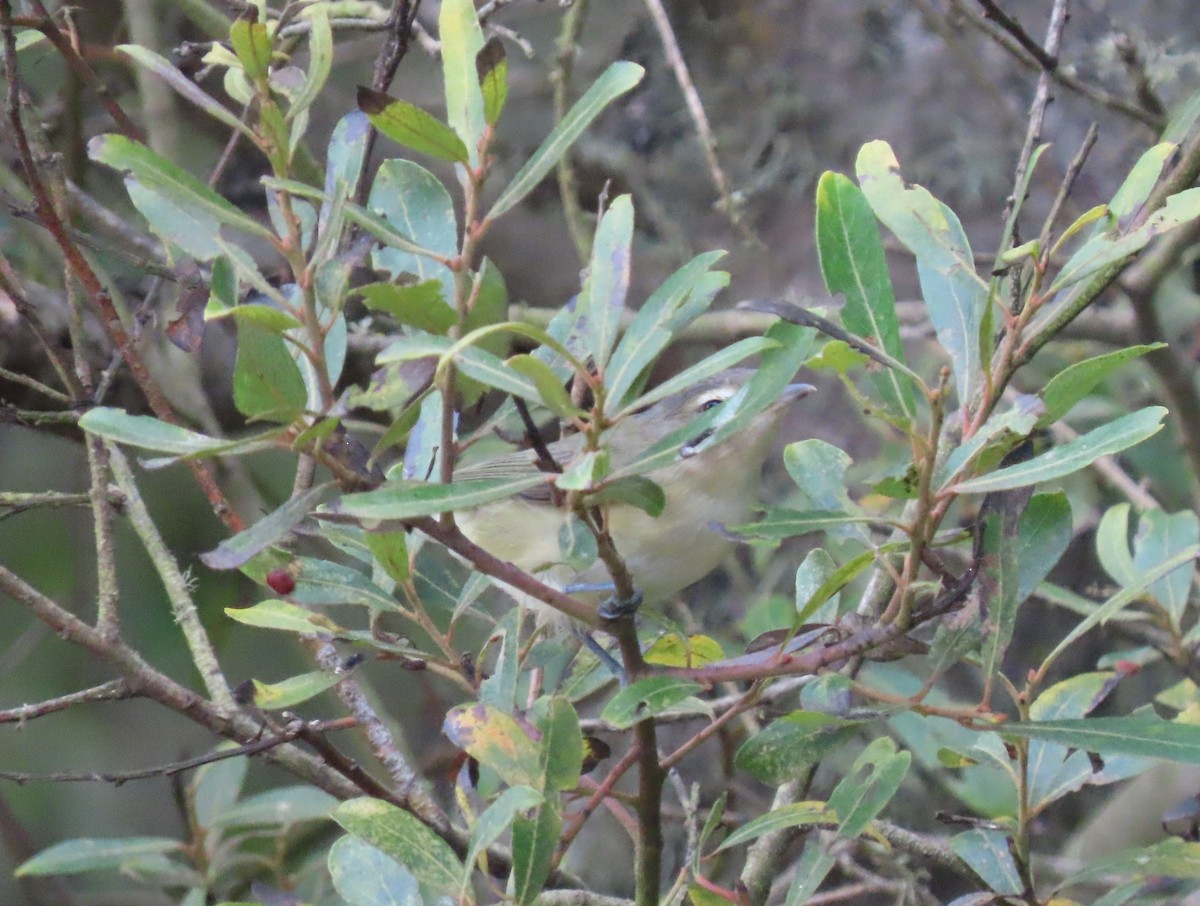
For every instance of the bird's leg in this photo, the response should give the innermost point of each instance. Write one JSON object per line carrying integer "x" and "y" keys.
{"x": 612, "y": 609}
{"x": 605, "y": 658}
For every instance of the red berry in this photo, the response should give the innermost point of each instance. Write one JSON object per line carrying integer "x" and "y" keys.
{"x": 281, "y": 581}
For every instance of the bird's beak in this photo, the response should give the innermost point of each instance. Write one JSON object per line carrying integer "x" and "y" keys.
{"x": 793, "y": 392}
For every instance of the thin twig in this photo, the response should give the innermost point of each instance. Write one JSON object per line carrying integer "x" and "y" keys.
{"x": 695, "y": 107}
{"x": 566, "y": 46}
{"x": 183, "y": 605}
{"x": 1037, "y": 109}
{"x": 114, "y": 690}
{"x": 1068, "y": 182}
{"x": 1059, "y": 74}
{"x": 409, "y": 792}
{"x": 1047, "y": 58}
{"x": 292, "y": 731}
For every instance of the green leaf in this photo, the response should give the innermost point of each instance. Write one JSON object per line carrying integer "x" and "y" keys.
{"x": 320, "y": 59}
{"x": 857, "y": 799}
{"x": 491, "y": 65}
{"x": 235, "y": 551}
{"x": 957, "y": 304}
{"x": 404, "y": 838}
{"x": 499, "y": 690}
{"x": 792, "y": 744}
{"x": 674, "y": 650}
{"x": 652, "y": 326}
{"x": 549, "y": 388}
{"x": 817, "y": 569}
{"x": 267, "y": 384}
{"x": 252, "y": 44}
{"x": 95, "y": 854}
{"x": 420, "y": 305}
{"x": 1054, "y": 770}
{"x": 1073, "y": 383}
{"x": 954, "y": 293}
{"x": 795, "y": 814}
{"x": 462, "y": 40}
{"x": 268, "y": 317}
{"x": 780, "y": 523}
{"x": 576, "y": 544}
{"x": 1112, "y": 545}
{"x": 215, "y": 787}
{"x": 1160, "y": 535}
{"x": 192, "y": 229}
{"x": 283, "y": 807}
{"x": 410, "y": 500}
{"x": 325, "y": 582}
{"x": 495, "y": 821}
{"x": 1137, "y": 735}
{"x": 1044, "y": 533}
{"x": 294, "y": 690}
{"x": 165, "y": 70}
{"x": 585, "y": 471}
{"x": 1072, "y": 456}
{"x": 415, "y": 204}
{"x": 497, "y": 741}
{"x": 635, "y": 490}
{"x": 534, "y": 841}
{"x": 390, "y": 551}
{"x": 409, "y": 125}
{"x": 615, "y": 81}
{"x": 146, "y": 432}
{"x": 999, "y": 433}
{"x": 646, "y": 698}
{"x": 561, "y": 745}
{"x": 853, "y": 263}
{"x": 1142, "y": 179}
{"x": 715, "y": 363}
{"x": 161, "y": 176}
{"x": 602, "y": 299}
{"x": 1102, "y": 251}
{"x": 364, "y": 876}
{"x": 1126, "y": 596}
{"x": 987, "y": 853}
{"x": 284, "y": 615}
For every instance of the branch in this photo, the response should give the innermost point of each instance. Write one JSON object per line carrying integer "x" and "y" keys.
{"x": 294, "y": 730}
{"x": 113, "y": 690}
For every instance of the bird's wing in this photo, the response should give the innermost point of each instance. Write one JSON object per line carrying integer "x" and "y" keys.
{"x": 518, "y": 465}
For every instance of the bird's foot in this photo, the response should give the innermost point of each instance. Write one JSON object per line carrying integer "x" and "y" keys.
{"x": 614, "y": 609}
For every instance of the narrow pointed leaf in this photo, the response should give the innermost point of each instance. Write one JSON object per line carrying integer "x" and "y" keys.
{"x": 615, "y": 81}
{"x": 320, "y": 59}
{"x": 462, "y": 40}
{"x": 163, "y": 68}
{"x": 170, "y": 180}
{"x": 1077, "y": 454}
{"x": 853, "y": 263}
{"x": 403, "y": 837}
{"x": 1073, "y": 383}
{"x": 491, "y": 65}
{"x": 603, "y": 297}
{"x": 409, "y": 125}
{"x": 414, "y": 499}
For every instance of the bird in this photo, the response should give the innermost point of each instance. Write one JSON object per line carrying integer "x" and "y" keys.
{"x": 704, "y": 487}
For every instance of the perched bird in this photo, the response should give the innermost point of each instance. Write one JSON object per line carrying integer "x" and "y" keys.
{"x": 705, "y": 484}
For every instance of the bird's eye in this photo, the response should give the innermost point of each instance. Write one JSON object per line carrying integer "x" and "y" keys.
{"x": 709, "y": 404}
